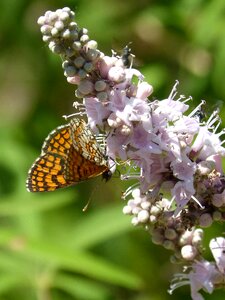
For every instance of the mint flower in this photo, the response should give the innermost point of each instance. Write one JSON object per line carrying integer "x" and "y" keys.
{"x": 204, "y": 274}
{"x": 174, "y": 157}
{"x": 217, "y": 247}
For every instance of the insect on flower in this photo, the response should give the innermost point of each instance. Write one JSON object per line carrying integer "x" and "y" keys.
{"x": 127, "y": 56}
{"x": 70, "y": 154}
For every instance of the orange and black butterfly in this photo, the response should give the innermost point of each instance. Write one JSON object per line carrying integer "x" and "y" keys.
{"x": 70, "y": 154}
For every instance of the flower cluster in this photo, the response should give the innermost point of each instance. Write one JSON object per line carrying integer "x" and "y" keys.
{"x": 174, "y": 156}
{"x": 204, "y": 274}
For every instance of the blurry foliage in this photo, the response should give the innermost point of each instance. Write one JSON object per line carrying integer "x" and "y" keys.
{"x": 50, "y": 249}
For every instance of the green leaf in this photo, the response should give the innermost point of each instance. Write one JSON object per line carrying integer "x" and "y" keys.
{"x": 8, "y": 281}
{"x": 99, "y": 226}
{"x": 81, "y": 288}
{"x": 82, "y": 262}
{"x": 8, "y": 207}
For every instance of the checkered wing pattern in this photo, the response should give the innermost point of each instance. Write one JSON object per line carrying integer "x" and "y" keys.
{"x": 61, "y": 164}
{"x": 85, "y": 142}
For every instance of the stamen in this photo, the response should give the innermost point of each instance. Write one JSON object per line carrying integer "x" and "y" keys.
{"x": 130, "y": 176}
{"x": 196, "y": 200}
{"x": 197, "y": 109}
{"x": 222, "y": 132}
{"x": 217, "y": 126}
{"x": 130, "y": 190}
{"x": 185, "y": 99}
{"x": 212, "y": 119}
{"x": 178, "y": 282}
{"x": 66, "y": 117}
{"x": 171, "y": 202}
{"x": 173, "y": 93}
{"x": 78, "y": 105}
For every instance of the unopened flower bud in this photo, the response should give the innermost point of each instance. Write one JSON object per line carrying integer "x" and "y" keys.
{"x": 105, "y": 63}
{"x": 84, "y": 38}
{"x": 46, "y": 38}
{"x": 64, "y": 16}
{"x": 153, "y": 219}
{"x": 66, "y": 34}
{"x": 79, "y": 61}
{"x": 145, "y": 205}
{"x": 116, "y": 74}
{"x": 73, "y": 34}
{"x": 127, "y": 210}
{"x": 59, "y": 25}
{"x": 46, "y": 29}
{"x": 102, "y": 96}
{"x": 134, "y": 221}
{"x": 168, "y": 245}
{"x": 91, "y": 45}
{"x": 217, "y": 216}
{"x": 170, "y": 233}
{"x": 86, "y": 87}
{"x": 186, "y": 237}
{"x": 125, "y": 130}
{"x": 136, "y": 210}
{"x": 92, "y": 54}
{"x": 88, "y": 67}
{"x": 157, "y": 238}
{"x": 188, "y": 252}
{"x": 205, "y": 220}
{"x": 73, "y": 80}
{"x": 41, "y": 20}
{"x": 77, "y": 46}
{"x": 217, "y": 200}
{"x": 73, "y": 25}
{"x": 143, "y": 216}
{"x": 57, "y": 49}
{"x": 82, "y": 73}
{"x": 78, "y": 94}
{"x": 70, "y": 71}
{"x": 100, "y": 85}
{"x": 155, "y": 210}
{"x": 114, "y": 121}
{"x": 136, "y": 193}
{"x": 144, "y": 90}
{"x": 197, "y": 237}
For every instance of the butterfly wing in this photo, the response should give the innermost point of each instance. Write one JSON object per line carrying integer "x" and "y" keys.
{"x": 48, "y": 171}
{"x": 58, "y": 141}
{"x": 60, "y": 163}
{"x": 85, "y": 142}
{"x": 78, "y": 168}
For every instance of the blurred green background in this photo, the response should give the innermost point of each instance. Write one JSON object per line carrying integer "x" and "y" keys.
{"x": 50, "y": 249}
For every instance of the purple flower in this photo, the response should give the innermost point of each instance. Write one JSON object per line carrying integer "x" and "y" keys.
{"x": 175, "y": 159}
{"x": 182, "y": 193}
{"x": 204, "y": 274}
{"x": 96, "y": 112}
{"x": 184, "y": 169}
{"x": 217, "y": 247}
{"x": 207, "y": 143}
{"x": 201, "y": 277}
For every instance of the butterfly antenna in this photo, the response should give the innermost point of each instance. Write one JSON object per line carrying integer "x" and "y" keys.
{"x": 86, "y": 206}
{"x": 90, "y": 199}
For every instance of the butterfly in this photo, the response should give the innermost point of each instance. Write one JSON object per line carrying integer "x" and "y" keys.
{"x": 70, "y": 154}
